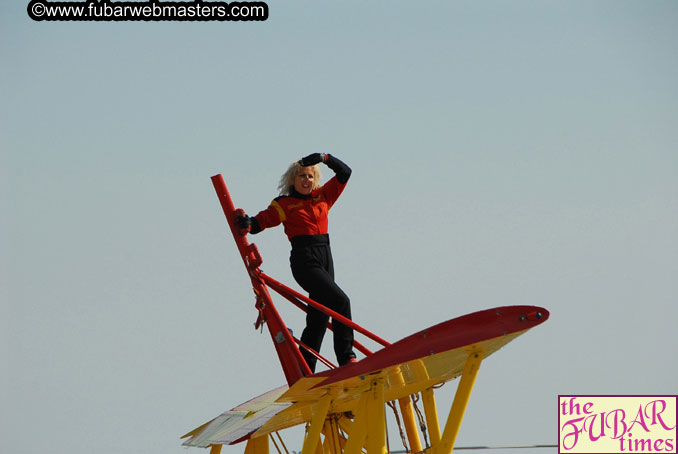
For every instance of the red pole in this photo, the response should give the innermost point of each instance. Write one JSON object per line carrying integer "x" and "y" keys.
{"x": 293, "y": 364}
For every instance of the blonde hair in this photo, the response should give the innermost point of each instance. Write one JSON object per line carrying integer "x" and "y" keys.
{"x": 287, "y": 179}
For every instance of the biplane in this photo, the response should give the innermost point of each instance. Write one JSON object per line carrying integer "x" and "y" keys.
{"x": 343, "y": 409}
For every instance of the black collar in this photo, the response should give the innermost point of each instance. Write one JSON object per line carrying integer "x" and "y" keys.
{"x": 297, "y": 195}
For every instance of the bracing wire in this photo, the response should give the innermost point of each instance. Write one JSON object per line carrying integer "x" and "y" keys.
{"x": 281, "y": 442}
{"x": 275, "y": 444}
{"x": 420, "y": 417}
{"x": 400, "y": 427}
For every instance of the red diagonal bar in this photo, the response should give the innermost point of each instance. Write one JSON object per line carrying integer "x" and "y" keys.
{"x": 280, "y": 288}
{"x": 321, "y": 358}
{"x": 292, "y": 299}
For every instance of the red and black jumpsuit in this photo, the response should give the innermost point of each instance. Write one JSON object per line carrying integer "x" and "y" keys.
{"x": 305, "y": 220}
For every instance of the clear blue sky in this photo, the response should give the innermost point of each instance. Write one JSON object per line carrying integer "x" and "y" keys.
{"x": 521, "y": 152}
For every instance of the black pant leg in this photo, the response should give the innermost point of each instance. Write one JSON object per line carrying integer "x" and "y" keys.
{"x": 318, "y": 282}
{"x": 313, "y": 334}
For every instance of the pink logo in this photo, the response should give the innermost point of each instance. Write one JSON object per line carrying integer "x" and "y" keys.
{"x": 617, "y": 424}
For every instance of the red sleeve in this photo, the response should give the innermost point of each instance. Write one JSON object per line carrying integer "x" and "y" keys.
{"x": 332, "y": 190}
{"x": 271, "y": 216}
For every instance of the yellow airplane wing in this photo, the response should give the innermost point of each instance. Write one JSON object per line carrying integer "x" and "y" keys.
{"x": 412, "y": 365}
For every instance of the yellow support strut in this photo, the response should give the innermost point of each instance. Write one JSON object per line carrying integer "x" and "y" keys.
{"x": 405, "y": 404}
{"x": 332, "y": 444}
{"x": 257, "y": 446}
{"x": 317, "y": 423}
{"x": 468, "y": 378}
{"x": 410, "y": 424}
{"x": 376, "y": 422}
{"x": 431, "y": 412}
{"x": 358, "y": 430}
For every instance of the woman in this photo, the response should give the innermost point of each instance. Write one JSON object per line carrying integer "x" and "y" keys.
{"x": 302, "y": 208}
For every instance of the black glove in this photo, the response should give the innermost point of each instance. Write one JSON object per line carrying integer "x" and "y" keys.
{"x": 244, "y": 222}
{"x": 312, "y": 159}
